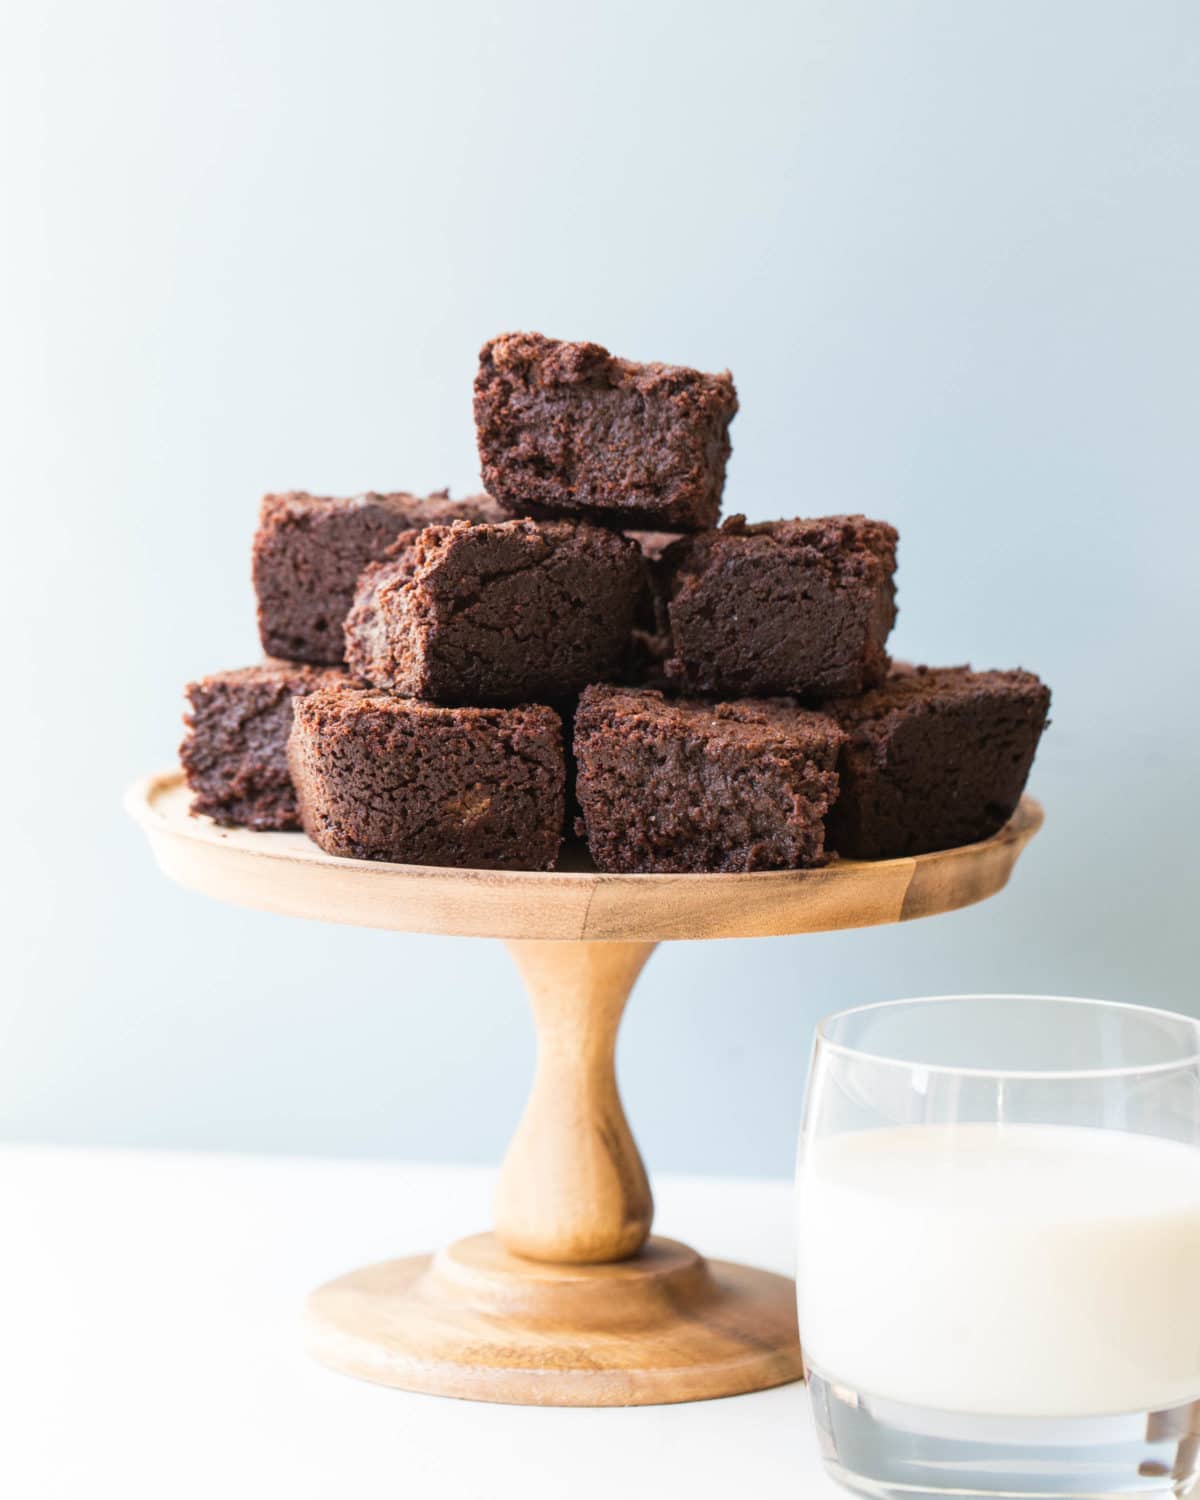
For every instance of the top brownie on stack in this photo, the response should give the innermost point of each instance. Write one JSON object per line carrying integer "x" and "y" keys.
{"x": 569, "y": 429}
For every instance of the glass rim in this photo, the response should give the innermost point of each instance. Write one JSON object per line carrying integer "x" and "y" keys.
{"x": 1190, "y": 1059}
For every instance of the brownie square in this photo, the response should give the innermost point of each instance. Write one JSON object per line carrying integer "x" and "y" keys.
{"x": 234, "y": 753}
{"x": 310, "y": 549}
{"x": 934, "y": 758}
{"x": 802, "y": 607}
{"x": 569, "y": 429}
{"x": 379, "y": 777}
{"x": 676, "y": 786}
{"x": 521, "y": 612}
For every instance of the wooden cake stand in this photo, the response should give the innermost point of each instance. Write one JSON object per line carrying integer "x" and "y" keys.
{"x": 570, "y": 1301}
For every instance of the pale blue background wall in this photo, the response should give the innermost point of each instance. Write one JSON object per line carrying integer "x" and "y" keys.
{"x": 950, "y": 253}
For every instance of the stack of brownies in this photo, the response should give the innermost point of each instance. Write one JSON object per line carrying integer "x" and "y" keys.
{"x": 581, "y": 648}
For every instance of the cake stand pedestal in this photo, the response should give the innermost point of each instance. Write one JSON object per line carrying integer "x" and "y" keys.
{"x": 570, "y": 1301}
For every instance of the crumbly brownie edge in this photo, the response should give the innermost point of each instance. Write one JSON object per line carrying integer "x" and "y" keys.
{"x": 725, "y": 593}
{"x": 650, "y": 768}
{"x": 935, "y": 758}
{"x": 440, "y": 619}
{"x": 234, "y": 750}
{"x": 309, "y": 551}
{"x": 546, "y": 462}
{"x": 389, "y": 779}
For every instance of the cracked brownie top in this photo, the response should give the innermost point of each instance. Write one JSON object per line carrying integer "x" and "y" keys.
{"x": 516, "y": 612}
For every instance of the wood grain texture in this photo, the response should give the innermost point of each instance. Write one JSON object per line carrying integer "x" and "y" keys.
{"x": 572, "y": 1188}
{"x": 284, "y": 872}
{"x": 479, "y": 1323}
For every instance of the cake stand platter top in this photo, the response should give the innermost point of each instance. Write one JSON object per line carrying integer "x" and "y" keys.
{"x": 286, "y": 873}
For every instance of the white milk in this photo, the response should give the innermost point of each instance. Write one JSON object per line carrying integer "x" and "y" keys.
{"x": 1016, "y": 1270}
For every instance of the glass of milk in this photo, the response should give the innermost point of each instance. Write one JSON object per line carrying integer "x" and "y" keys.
{"x": 999, "y": 1247}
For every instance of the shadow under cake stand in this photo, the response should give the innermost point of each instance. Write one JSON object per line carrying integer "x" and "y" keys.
{"x": 570, "y": 1301}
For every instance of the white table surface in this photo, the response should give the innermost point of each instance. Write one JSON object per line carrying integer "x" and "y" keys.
{"x": 150, "y": 1343}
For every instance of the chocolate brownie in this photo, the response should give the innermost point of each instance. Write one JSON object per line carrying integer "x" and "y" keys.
{"x": 523, "y": 612}
{"x": 310, "y": 549}
{"x": 379, "y": 777}
{"x": 568, "y": 429}
{"x": 235, "y": 751}
{"x": 934, "y": 758}
{"x": 675, "y": 785}
{"x": 802, "y": 607}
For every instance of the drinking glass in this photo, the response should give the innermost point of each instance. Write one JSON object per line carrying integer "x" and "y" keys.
{"x": 999, "y": 1247}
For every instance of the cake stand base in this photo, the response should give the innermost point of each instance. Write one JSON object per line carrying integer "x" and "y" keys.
{"x": 478, "y": 1322}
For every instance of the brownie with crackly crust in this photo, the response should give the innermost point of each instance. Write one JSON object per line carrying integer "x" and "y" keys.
{"x": 934, "y": 758}
{"x": 526, "y": 611}
{"x": 310, "y": 549}
{"x": 569, "y": 429}
{"x": 234, "y": 753}
{"x": 387, "y": 778}
{"x": 674, "y": 785}
{"x": 798, "y": 607}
